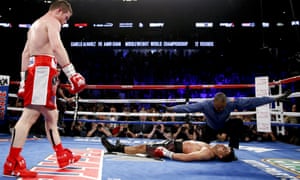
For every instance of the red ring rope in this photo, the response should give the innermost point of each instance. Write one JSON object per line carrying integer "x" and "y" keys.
{"x": 174, "y": 87}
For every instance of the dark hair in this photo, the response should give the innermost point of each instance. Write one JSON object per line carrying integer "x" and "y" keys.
{"x": 230, "y": 157}
{"x": 63, "y": 4}
{"x": 220, "y": 96}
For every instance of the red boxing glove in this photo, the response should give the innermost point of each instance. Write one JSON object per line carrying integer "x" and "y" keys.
{"x": 77, "y": 80}
{"x": 21, "y": 86}
{"x": 77, "y": 83}
{"x": 158, "y": 153}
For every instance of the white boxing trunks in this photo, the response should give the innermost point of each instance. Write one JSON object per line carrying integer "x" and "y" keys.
{"x": 41, "y": 81}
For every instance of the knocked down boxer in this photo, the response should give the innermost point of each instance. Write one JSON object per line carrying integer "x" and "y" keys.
{"x": 179, "y": 150}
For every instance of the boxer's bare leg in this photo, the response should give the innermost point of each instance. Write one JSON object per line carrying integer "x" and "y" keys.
{"x": 64, "y": 156}
{"x": 135, "y": 149}
{"x": 123, "y": 148}
{"x": 22, "y": 127}
{"x": 51, "y": 117}
{"x": 15, "y": 164}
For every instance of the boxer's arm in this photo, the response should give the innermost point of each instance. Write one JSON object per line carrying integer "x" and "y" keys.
{"x": 25, "y": 57}
{"x": 203, "y": 155}
{"x": 53, "y": 28}
{"x": 77, "y": 80}
{"x": 24, "y": 64}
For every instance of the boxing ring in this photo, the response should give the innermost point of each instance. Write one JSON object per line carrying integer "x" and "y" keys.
{"x": 256, "y": 160}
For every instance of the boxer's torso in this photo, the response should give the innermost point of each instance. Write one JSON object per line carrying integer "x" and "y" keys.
{"x": 38, "y": 39}
{"x": 193, "y": 146}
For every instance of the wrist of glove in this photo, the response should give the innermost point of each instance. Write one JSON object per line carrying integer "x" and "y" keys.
{"x": 163, "y": 152}
{"x": 69, "y": 70}
{"x": 76, "y": 80}
{"x": 21, "y": 86}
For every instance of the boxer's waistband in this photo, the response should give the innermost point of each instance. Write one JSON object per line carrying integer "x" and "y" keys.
{"x": 42, "y": 60}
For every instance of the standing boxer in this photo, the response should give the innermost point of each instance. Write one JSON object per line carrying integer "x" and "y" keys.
{"x": 42, "y": 53}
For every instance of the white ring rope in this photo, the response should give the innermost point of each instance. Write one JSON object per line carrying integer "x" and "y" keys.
{"x": 172, "y": 114}
{"x": 294, "y": 114}
{"x": 294, "y": 95}
{"x": 138, "y": 100}
{"x": 181, "y": 100}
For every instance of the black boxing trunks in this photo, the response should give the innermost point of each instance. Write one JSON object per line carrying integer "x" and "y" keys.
{"x": 171, "y": 145}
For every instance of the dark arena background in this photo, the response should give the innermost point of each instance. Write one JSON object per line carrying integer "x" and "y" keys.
{"x": 135, "y": 54}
